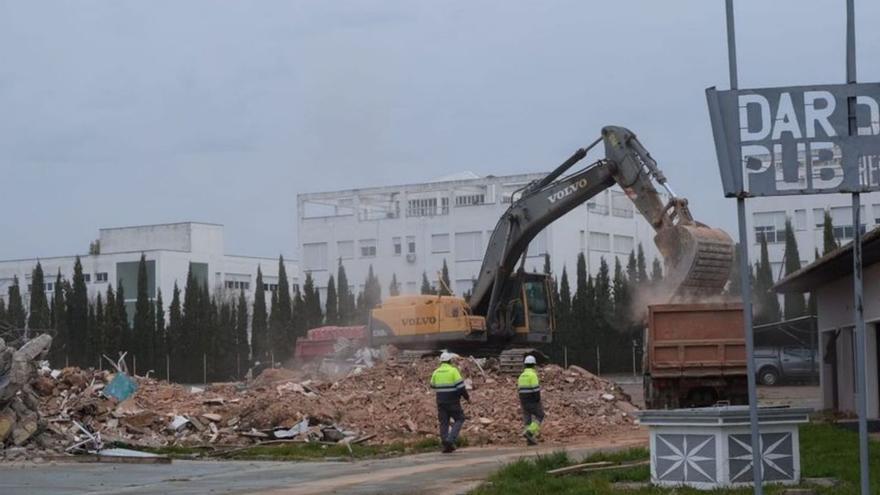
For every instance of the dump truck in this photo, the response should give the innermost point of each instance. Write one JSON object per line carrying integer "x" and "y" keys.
{"x": 510, "y": 309}
{"x": 695, "y": 355}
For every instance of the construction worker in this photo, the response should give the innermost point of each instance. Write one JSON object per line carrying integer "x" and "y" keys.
{"x": 529, "y": 389}
{"x": 449, "y": 387}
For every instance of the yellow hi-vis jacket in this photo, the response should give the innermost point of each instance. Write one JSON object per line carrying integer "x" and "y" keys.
{"x": 528, "y": 386}
{"x": 448, "y": 384}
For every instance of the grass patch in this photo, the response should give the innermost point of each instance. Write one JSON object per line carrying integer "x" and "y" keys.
{"x": 826, "y": 452}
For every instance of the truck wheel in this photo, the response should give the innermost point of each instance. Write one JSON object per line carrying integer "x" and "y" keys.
{"x": 768, "y": 376}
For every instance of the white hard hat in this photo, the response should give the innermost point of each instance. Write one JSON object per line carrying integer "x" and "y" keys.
{"x": 445, "y": 357}
{"x": 530, "y": 360}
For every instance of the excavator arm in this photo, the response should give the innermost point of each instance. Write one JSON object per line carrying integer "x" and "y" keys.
{"x": 697, "y": 257}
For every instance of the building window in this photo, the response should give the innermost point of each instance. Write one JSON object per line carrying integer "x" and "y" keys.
{"x": 237, "y": 284}
{"x": 769, "y": 226}
{"x": 397, "y": 247}
{"x": 841, "y": 218}
{"x": 101, "y": 277}
{"x": 876, "y": 214}
{"x": 468, "y": 246}
{"x": 270, "y": 287}
{"x": 345, "y": 249}
{"x": 819, "y": 218}
{"x": 87, "y": 277}
{"x": 800, "y": 219}
{"x": 427, "y": 207}
{"x": 440, "y": 243}
{"x": 314, "y": 256}
{"x": 48, "y": 286}
{"x": 621, "y": 206}
{"x": 538, "y": 245}
{"x": 600, "y": 241}
{"x": 470, "y": 200}
{"x": 368, "y": 248}
{"x": 623, "y": 244}
{"x": 411, "y": 244}
{"x": 599, "y": 204}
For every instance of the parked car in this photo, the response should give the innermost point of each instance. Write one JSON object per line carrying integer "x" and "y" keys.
{"x": 789, "y": 363}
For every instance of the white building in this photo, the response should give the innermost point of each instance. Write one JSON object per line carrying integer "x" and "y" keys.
{"x": 411, "y": 229}
{"x": 766, "y": 217}
{"x": 170, "y": 250}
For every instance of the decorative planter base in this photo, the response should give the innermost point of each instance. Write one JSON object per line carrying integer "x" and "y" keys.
{"x": 709, "y": 448}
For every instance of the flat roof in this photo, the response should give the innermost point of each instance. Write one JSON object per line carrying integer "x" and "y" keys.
{"x": 160, "y": 225}
{"x": 834, "y": 265}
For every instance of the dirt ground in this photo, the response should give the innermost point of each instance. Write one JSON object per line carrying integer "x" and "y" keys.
{"x": 792, "y": 395}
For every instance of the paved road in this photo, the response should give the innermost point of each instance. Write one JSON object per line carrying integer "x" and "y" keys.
{"x": 434, "y": 474}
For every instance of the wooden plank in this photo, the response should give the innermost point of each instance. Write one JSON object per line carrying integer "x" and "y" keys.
{"x": 586, "y": 468}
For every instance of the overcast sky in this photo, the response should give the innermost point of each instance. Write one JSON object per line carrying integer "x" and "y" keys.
{"x": 120, "y": 113}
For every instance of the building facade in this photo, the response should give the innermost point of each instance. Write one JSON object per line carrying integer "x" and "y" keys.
{"x": 171, "y": 250}
{"x": 411, "y": 229}
{"x": 766, "y": 218}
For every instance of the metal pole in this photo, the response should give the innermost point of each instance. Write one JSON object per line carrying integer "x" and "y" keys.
{"x": 565, "y": 356}
{"x": 167, "y": 367}
{"x": 858, "y": 311}
{"x": 598, "y": 362}
{"x": 745, "y": 283}
{"x": 205, "y": 369}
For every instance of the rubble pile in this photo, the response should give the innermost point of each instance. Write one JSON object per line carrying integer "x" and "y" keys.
{"x": 394, "y": 402}
{"x": 19, "y": 406}
{"x": 47, "y": 411}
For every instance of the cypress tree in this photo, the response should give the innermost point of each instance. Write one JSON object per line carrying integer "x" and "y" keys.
{"x": 285, "y": 307}
{"x": 58, "y": 350}
{"x": 259, "y": 343}
{"x": 602, "y": 286}
{"x": 112, "y": 339}
{"x": 446, "y": 285}
{"x": 547, "y": 268}
{"x": 794, "y": 303}
{"x": 124, "y": 329}
{"x": 160, "y": 340}
{"x": 331, "y": 305}
{"x": 829, "y": 241}
{"x": 632, "y": 273}
{"x": 242, "y": 346}
{"x": 299, "y": 310}
{"x": 766, "y": 302}
{"x": 656, "y": 271}
{"x": 641, "y": 268}
{"x": 91, "y": 346}
{"x": 622, "y": 298}
{"x": 394, "y": 286}
{"x": 174, "y": 332}
{"x": 345, "y": 299}
{"x": 579, "y": 331}
{"x": 373, "y": 291}
{"x": 3, "y": 313}
{"x": 78, "y": 314}
{"x": 38, "y": 318}
{"x": 562, "y": 339}
{"x": 15, "y": 312}
{"x": 142, "y": 330}
{"x": 98, "y": 329}
{"x": 426, "y": 285}
{"x": 312, "y": 304}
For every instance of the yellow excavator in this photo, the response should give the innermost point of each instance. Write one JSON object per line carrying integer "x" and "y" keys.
{"x": 510, "y": 308}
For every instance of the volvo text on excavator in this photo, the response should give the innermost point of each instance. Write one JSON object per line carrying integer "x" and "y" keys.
{"x": 512, "y": 308}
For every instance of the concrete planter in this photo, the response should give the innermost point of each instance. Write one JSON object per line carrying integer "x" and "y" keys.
{"x": 709, "y": 448}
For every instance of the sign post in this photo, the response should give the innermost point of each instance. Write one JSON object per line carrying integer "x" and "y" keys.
{"x": 799, "y": 140}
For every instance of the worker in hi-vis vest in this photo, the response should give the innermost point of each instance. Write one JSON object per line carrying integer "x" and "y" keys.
{"x": 449, "y": 387}
{"x": 529, "y": 389}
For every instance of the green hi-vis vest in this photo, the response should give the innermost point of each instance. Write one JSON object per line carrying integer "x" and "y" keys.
{"x": 528, "y": 386}
{"x": 447, "y": 384}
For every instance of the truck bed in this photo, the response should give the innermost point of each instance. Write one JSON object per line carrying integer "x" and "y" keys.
{"x": 695, "y": 340}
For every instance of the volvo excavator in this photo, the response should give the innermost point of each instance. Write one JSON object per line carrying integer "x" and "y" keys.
{"x": 510, "y": 309}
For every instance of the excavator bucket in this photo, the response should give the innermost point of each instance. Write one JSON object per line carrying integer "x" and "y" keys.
{"x": 698, "y": 259}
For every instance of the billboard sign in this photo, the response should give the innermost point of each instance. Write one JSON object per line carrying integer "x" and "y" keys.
{"x": 796, "y": 139}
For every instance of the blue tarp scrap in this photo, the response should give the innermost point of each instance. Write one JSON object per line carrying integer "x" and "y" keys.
{"x": 121, "y": 387}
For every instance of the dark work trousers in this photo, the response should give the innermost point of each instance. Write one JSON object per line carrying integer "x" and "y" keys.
{"x": 532, "y": 411}
{"x": 447, "y": 412}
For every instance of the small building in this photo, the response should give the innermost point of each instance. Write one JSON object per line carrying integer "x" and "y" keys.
{"x": 830, "y": 280}
{"x": 171, "y": 250}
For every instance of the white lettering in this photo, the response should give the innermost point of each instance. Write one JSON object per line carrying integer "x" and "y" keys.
{"x": 814, "y": 115}
{"x": 786, "y": 118}
{"x": 567, "y": 190}
{"x": 764, "y": 112}
{"x": 755, "y": 160}
{"x": 799, "y": 179}
{"x": 825, "y": 169}
{"x": 873, "y": 127}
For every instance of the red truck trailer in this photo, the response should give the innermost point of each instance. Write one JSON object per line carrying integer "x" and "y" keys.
{"x": 694, "y": 355}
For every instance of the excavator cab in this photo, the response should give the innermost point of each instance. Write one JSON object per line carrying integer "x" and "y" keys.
{"x": 529, "y": 309}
